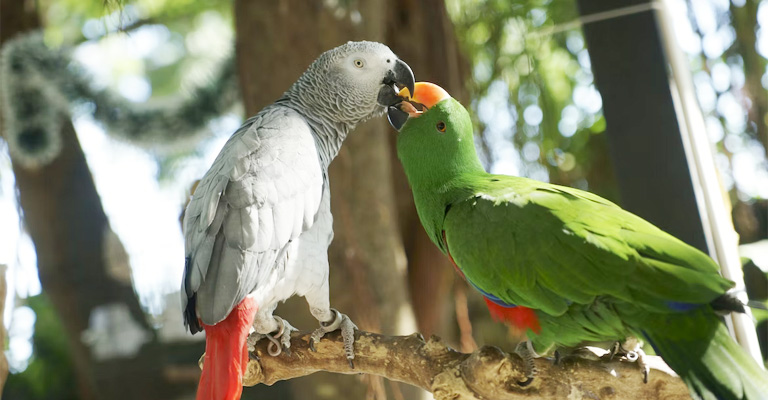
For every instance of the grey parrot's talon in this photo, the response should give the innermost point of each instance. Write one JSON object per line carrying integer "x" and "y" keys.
{"x": 348, "y": 334}
{"x": 282, "y": 339}
{"x": 281, "y": 323}
{"x": 332, "y": 325}
{"x": 253, "y": 356}
{"x": 315, "y": 337}
{"x": 339, "y": 322}
{"x": 253, "y": 338}
{"x": 274, "y": 348}
{"x": 285, "y": 336}
{"x": 278, "y": 342}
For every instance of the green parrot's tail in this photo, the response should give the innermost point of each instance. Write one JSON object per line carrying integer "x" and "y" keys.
{"x": 697, "y": 346}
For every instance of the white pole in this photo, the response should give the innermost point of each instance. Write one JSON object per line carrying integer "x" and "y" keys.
{"x": 712, "y": 199}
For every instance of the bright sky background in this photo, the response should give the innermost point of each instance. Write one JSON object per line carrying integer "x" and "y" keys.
{"x": 144, "y": 213}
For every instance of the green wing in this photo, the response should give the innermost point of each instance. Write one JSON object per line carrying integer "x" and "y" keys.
{"x": 546, "y": 247}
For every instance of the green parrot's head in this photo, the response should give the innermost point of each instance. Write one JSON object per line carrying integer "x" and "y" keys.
{"x": 435, "y": 133}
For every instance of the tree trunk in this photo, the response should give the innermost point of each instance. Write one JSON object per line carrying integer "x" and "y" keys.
{"x": 67, "y": 224}
{"x": 643, "y": 130}
{"x": 421, "y": 33}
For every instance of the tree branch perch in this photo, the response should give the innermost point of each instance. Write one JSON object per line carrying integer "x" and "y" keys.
{"x": 487, "y": 373}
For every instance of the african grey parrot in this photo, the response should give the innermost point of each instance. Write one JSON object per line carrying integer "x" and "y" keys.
{"x": 259, "y": 224}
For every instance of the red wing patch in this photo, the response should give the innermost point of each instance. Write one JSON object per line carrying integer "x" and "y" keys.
{"x": 519, "y": 317}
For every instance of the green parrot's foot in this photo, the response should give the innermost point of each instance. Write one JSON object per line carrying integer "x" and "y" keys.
{"x": 623, "y": 349}
{"x": 528, "y": 354}
{"x": 581, "y": 353}
{"x": 631, "y": 350}
{"x": 347, "y": 327}
{"x": 278, "y": 341}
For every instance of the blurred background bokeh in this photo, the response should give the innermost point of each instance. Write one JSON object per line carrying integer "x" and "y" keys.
{"x": 142, "y": 94}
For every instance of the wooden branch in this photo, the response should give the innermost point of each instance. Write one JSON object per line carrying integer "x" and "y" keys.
{"x": 488, "y": 373}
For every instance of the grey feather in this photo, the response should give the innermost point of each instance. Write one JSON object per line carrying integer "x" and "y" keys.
{"x": 268, "y": 185}
{"x": 240, "y": 217}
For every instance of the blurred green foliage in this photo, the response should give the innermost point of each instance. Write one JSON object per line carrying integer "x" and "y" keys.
{"x": 65, "y": 20}
{"x": 50, "y": 373}
{"x": 189, "y": 44}
{"x": 533, "y": 86}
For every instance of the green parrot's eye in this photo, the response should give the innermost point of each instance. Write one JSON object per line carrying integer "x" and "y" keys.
{"x": 359, "y": 63}
{"x": 441, "y": 126}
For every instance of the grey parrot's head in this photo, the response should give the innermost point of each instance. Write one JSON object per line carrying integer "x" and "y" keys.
{"x": 353, "y": 82}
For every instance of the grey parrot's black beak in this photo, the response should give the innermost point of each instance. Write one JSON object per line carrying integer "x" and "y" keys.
{"x": 398, "y": 77}
{"x": 396, "y": 116}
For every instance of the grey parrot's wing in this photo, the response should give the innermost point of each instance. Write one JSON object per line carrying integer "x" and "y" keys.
{"x": 262, "y": 191}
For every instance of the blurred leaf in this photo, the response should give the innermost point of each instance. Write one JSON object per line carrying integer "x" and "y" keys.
{"x": 165, "y": 80}
{"x": 760, "y": 315}
{"x": 546, "y": 74}
{"x": 50, "y": 374}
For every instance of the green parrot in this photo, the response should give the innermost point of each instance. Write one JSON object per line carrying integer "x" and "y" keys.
{"x": 564, "y": 264}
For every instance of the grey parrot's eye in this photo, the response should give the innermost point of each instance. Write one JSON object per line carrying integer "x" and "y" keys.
{"x": 359, "y": 63}
{"x": 440, "y": 126}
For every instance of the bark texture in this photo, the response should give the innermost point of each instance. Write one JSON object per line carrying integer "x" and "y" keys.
{"x": 487, "y": 373}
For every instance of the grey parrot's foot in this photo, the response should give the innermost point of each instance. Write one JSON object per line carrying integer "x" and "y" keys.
{"x": 631, "y": 350}
{"x": 347, "y": 327}
{"x": 283, "y": 335}
{"x": 528, "y": 354}
{"x": 279, "y": 341}
{"x": 254, "y": 338}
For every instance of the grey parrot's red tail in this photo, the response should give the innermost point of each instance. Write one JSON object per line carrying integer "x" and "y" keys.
{"x": 226, "y": 354}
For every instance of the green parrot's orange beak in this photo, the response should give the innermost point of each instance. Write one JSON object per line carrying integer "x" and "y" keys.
{"x": 425, "y": 96}
{"x": 425, "y": 93}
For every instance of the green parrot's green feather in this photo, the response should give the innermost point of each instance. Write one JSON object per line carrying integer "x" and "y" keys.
{"x": 591, "y": 270}
{"x": 550, "y": 241}
{"x": 720, "y": 369}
